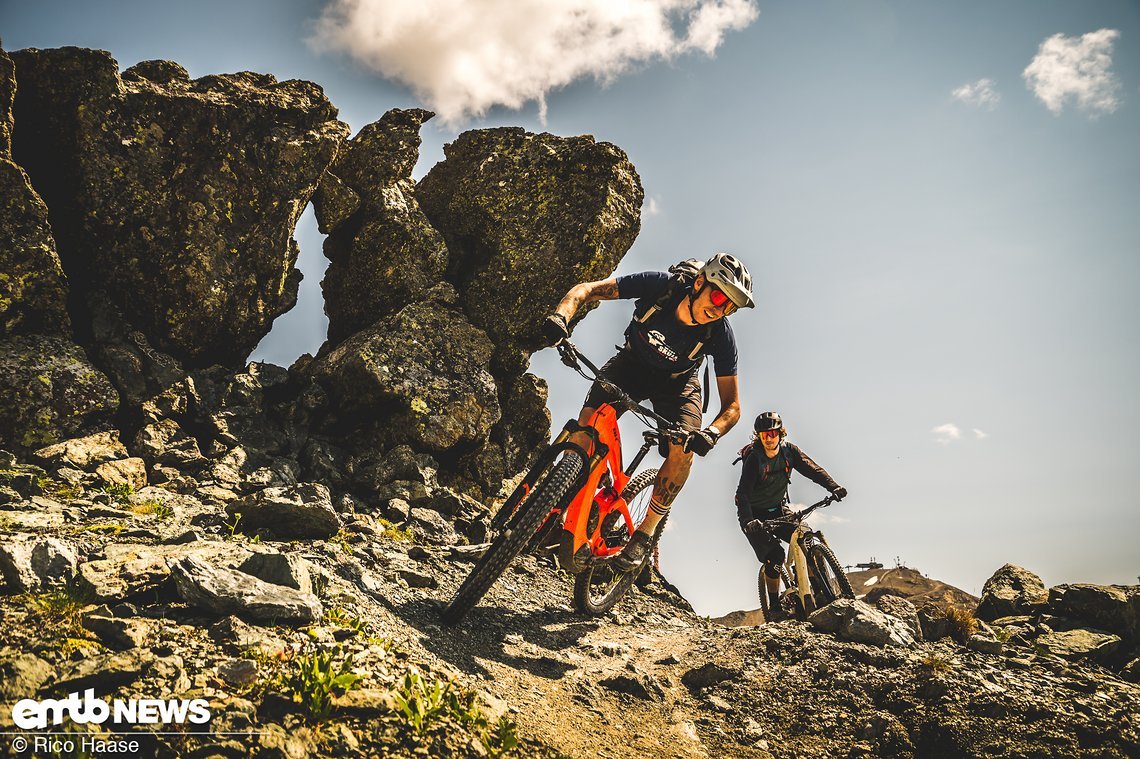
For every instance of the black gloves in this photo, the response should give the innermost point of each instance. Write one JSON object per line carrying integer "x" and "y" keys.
{"x": 701, "y": 441}
{"x": 554, "y": 329}
{"x": 753, "y": 527}
{"x": 840, "y": 493}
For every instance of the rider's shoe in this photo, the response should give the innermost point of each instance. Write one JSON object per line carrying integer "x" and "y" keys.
{"x": 635, "y": 552}
{"x": 775, "y": 611}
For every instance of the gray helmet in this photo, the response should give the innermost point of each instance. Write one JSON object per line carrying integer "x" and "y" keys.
{"x": 769, "y": 420}
{"x": 728, "y": 273}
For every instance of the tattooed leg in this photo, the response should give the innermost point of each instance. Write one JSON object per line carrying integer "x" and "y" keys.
{"x": 668, "y": 486}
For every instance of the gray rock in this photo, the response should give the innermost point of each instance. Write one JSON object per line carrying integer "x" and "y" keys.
{"x": 854, "y": 620}
{"x": 223, "y": 591}
{"x": 124, "y": 570}
{"x": 708, "y": 675}
{"x": 432, "y": 527}
{"x": 900, "y": 608}
{"x": 238, "y": 673}
{"x": 120, "y": 633}
{"x": 635, "y": 682}
{"x": 1115, "y": 608}
{"x": 1080, "y": 644}
{"x": 49, "y": 391}
{"x": 1011, "y": 590}
{"x": 104, "y": 673}
{"x": 985, "y": 644}
{"x": 129, "y": 472}
{"x": 31, "y": 565}
{"x": 21, "y": 674}
{"x": 280, "y": 569}
{"x": 300, "y": 511}
{"x": 84, "y": 453}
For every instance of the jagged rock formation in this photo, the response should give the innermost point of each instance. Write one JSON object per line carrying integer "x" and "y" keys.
{"x": 175, "y": 200}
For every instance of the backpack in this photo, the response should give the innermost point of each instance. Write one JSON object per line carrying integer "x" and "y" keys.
{"x": 683, "y": 273}
{"x": 787, "y": 464}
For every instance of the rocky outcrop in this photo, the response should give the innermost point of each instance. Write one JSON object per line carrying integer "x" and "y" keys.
{"x": 529, "y": 214}
{"x": 383, "y": 253}
{"x": 174, "y": 199}
{"x": 1011, "y": 590}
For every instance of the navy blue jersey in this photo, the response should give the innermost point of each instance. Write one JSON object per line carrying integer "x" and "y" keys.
{"x": 663, "y": 342}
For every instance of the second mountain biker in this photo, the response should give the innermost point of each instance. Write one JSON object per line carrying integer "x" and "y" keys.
{"x": 677, "y": 320}
{"x": 763, "y": 493}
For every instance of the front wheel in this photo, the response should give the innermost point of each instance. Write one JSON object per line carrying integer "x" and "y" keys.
{"x": 762, "y": 587}
{"x": 552, "y": 492}
{"x": 598, "y": 587}
{"x": 832, "y": 582}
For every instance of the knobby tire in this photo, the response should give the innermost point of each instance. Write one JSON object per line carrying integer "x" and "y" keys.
{"x": 614, "y": 584}
{"x": 762, "y": 589}
{"x": 551, "y": 492}
{"x": 830, "y": 573}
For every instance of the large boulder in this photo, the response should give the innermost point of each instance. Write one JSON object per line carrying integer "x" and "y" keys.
{"x": 382, "y": 251}
{"x": 1115, "y": 608}
{"x": 178, "y": 197}
{"x": 33, "y": 289}
{"x": 49, "y": 391}
{"x": 526, "y": 216}
{"x": 419, "y": 377}
{"x": 853, "y": 620}
{"x": 1011, "y": 591}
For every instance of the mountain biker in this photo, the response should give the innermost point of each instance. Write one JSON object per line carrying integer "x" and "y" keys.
{"x": 660, "y": 361}
{"x": 762, "y": 494}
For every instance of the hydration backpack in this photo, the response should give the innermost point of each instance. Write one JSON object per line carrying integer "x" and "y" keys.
{"x": 683, "y": 274}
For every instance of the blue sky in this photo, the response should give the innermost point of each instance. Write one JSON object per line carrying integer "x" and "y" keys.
{"x": 945, "y": 246}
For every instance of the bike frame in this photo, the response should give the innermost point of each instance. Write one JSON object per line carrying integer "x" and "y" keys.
{"x": 796, "y": 564}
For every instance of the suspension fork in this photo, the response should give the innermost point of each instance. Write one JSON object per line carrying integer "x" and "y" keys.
{"x": 799, "y": 558}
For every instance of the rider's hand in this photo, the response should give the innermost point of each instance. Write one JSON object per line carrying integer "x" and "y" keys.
{"x": 840, "y": 493}
{"x": 753, "y": 527}
{"x": 554, "y": 329}
{"x": 701, "y": 441}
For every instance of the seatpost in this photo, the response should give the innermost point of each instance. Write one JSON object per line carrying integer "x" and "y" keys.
{"x": 650, "y": 438}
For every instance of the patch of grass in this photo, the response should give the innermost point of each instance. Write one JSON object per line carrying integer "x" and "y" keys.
{"x": 103, "y": 528}
{"x": 159, "y": 509}
{"x": 341, "y": 540}
{"x": 315, "y": 678}
{"x": 392, "y": 532}
{"x": 57, "y": 612}
{"x": 61, "y": 491}
{"x": 963, "y": 623}
{"x": 937, "y": 663}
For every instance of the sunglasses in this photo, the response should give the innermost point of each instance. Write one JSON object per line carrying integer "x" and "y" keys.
{"x": 768, "y": 433}
{"x": 720, "y": 300}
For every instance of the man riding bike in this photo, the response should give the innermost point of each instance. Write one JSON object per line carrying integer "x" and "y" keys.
{"x": 674, "y": 326}
{"x": 762, "y": 494}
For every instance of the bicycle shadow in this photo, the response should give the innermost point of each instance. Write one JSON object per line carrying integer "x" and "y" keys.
{"x": 498, "y": 633}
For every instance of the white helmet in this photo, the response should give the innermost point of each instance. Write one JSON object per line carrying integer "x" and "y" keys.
{"x": 728, "y": 273}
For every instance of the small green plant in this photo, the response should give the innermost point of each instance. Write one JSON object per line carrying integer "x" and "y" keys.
{"x": 57, "y": 612}
{"x": 232, "y": 526}
{"x": 392, "y": 532}
{"x": 937, "y": 663}
{"x": 963, "y": 623}
{"x": 336, "y": 615}
{"x": 160, "y": 509}
{"x": 103, "y": 528}
{"x": 121, "y": 492}
{"x": 1004, "y": 634}
{"x": 315, "y": 679}
{"x": 61, "y": 491}
{"x": 421, "y": 701}
{"x": 341, "y": 540}
{"x": 503, "y": 737}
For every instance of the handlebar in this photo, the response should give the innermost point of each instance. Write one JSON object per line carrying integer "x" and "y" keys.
{"x": 798, "y": 516}
{"x": 574, "y": 358}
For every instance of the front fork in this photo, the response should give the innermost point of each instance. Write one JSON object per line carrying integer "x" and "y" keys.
{"x": 797, "y": 564}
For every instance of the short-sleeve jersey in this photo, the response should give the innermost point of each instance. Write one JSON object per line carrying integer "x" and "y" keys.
{"x": 662, "y": 341}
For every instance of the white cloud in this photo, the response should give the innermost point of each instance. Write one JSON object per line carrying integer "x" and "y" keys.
{"x": 980, "y": 435}
{"x": 980, "y": 94}
{"x": 946, "y": 433}
{"x": 651, "y": 207}
{"x": 462, "y": 57}
{"x": 1076, "y": 68}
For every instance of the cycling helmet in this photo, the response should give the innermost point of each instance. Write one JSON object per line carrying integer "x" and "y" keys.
{"x": 769, "y": 420}
{"x": 729, "y": 274}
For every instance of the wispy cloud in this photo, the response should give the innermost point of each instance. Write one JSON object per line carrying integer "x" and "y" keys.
{"x": 980, "y": 94}
{"x": 946, "y": 433}
{"x": 980, "y": 435}
{"x": 1076, "y": 68}
{"x": 651, "y": 207}
{"x": 462, "y": 58}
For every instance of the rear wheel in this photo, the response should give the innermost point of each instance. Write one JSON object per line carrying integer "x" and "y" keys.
{"x": 552, "y": 491}
{"x": 598, "y": 587}
{"x": 831, "y": 581}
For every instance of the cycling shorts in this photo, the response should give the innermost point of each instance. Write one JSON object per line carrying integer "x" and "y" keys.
{"x": 678, "y": 399}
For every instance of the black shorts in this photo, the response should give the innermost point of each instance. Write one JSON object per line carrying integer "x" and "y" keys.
{"x": 678, "y": 399}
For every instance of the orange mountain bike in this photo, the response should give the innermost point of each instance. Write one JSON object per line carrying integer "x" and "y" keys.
{"x": 585, "y": 496}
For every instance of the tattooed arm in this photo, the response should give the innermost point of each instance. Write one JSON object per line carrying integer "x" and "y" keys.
{"x": 584, "y": 293}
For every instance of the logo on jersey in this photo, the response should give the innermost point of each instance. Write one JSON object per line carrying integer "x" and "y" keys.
{"x": 657, "y": 340}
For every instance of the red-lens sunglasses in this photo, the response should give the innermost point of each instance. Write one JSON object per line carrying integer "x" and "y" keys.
{"x": 769, "y": 433}
{"x": 720, "y": 300}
